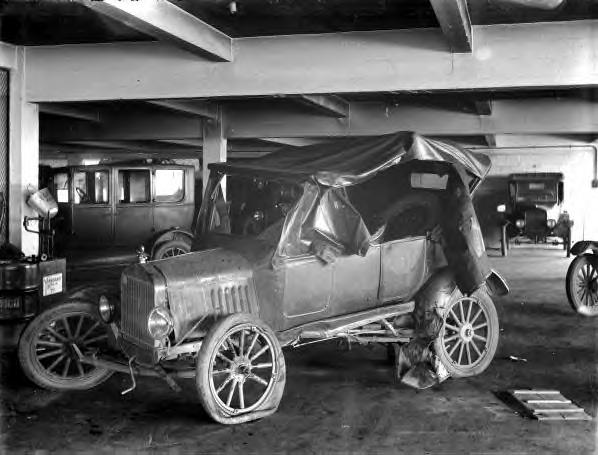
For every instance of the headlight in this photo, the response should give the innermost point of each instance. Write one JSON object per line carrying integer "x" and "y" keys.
{"x": 551, "y": 224}
{"x": 106, "y": 309}
{"x": 520, "y": 224}
{"x": 159, "y": 323}
{"x": 502, "y": 208}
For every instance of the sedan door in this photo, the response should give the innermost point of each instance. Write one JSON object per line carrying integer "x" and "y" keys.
{"x": 133, "y": 222}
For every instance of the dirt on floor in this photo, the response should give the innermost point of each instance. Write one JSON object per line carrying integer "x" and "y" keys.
{"x": 339, "y": 401}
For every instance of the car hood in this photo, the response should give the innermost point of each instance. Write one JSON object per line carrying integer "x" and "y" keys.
{"x": 210, "y": 282}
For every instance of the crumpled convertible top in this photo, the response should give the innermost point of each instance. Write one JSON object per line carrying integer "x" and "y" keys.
{"x": 348, "y": 161}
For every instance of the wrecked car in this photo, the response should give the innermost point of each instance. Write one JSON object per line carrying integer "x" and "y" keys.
{"x": 369, "y": 240}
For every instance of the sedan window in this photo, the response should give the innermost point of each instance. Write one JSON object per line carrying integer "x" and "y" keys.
{"x": 91, "y": 187}
{"x": 134, "y": 186}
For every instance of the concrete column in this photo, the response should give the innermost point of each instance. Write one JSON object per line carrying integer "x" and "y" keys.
{"x": 214, "y": 144}
{"x": 23, "y": 158}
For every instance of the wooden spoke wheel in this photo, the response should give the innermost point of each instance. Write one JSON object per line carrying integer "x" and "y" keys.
{"x": 240, "y": 370}
{"x": 172, "y": 248}
{"x": 582, "y": 285}
{"x": 469, "y": 337}
{"x": 47, "y": 350}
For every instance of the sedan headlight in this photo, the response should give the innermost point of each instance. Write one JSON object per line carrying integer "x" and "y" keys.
{"x": 159, "y": 323}
{"x": 520, "y": 224}
{"x": 106, "y": 309}
{"x": 551, "y": 224}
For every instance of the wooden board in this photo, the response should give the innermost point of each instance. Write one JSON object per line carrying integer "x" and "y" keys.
{"x": 549, "y": 405}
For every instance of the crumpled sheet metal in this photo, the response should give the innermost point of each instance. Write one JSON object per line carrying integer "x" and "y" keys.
{"x": 323, "y": 214}
{"x": 416, "y": 363}
{"x": 348, "y": 161}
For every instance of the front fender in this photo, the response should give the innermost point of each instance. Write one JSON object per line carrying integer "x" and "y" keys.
{"x": 583, "y": 246}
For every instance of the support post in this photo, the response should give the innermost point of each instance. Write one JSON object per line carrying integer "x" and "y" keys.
{"x": 214, "y": 145}
{"x": 23, "y": 159}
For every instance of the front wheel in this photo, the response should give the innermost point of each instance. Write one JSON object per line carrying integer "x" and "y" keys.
{"x": 582, "y": 285}
{"x": 240, "y": 370}
{"x": 467, "y": 342}
{"x": 46, "y": 348}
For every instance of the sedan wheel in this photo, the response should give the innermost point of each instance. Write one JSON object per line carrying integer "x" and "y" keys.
{"x": 582, "y": 285}
{"x": 240, "y": 370}
{"x": 468, "y": 340}
{"x": 47, "y": 348}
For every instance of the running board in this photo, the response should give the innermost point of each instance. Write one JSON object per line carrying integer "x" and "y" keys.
{"x": 329, "y": 328}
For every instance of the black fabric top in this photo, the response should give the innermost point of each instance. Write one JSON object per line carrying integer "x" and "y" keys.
{"x": 349, "y": 161}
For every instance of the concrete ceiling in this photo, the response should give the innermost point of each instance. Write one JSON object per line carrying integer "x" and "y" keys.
{"x": 551, "y": 110}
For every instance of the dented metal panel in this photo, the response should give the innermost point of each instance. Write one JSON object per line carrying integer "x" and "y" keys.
{"x": 403, "y": 268}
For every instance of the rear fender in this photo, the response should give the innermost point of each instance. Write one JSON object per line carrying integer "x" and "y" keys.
{"x": 583, "y": 246}
{"x": 496, "y": 284}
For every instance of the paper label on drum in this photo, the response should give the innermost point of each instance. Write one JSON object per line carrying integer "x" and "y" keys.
{"x": 52, "y": 284}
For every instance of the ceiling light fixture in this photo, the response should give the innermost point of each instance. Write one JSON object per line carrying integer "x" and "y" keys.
{"x": 232, "y": 7}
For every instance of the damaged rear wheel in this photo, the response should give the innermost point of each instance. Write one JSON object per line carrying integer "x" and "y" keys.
{"x": 469, "y": 337}
{"x": 240, "y": 370}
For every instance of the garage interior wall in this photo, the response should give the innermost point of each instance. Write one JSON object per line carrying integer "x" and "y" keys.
{"x": 576, "y": 163}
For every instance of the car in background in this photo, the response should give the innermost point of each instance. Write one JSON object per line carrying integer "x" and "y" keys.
{"x": 535, "y": 208}
{"x": 111, "y": 209}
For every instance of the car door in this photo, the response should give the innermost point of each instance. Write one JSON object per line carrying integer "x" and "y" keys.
{"x": 133, "y": 217}
{"x": 91, "y": 223}
{"x": 307, "y": 282}
{"x": 173, "y": 198}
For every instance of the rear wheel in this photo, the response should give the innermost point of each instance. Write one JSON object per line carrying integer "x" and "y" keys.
{"x": 582, "y": 285}
{"x": 240, "y": 370}
{"x": 467, "y": 342}
{"x": 46, "y": 348}
{"x": 171, "y": 248}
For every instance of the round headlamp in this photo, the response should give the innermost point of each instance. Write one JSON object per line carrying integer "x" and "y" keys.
{"x": 159, "y": 323}
{"x": 520, "y": 224}
{"x": 106, "y": 309}
{"x": 551, "y": 224}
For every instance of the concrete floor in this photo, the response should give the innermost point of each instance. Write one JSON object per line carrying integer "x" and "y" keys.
{"x": 347, "y": 401}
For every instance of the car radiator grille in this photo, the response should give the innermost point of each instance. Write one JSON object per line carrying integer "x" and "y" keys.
{"x": 535, "y": 219}
{"x": 137, "y": 301}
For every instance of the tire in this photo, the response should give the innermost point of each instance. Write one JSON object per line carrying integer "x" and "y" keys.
{"x": 469, "y": 350}
{"x": 255, "y": 363}
{"x": 171, "y": 248}
{"x": 582, "y": 285}
{"x": 45, "y": 351}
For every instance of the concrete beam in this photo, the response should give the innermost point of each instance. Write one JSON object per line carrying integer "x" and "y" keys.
{"x": 198, "y": 143}
{"x": 483, "y": 107}
{"x": 69, "y": 111}
{"x": 453, "y": 17}
{"x": 296, "y": 141}
{"x": 286, "y": 124}
{"x": 124, "y": 126}
{"x": 203, "y": 109}
{"x": 331, "y": 105}
{"x": 523, "y": 116}
{"x": 165, "y": 21}
{"x": 507, "y": 56}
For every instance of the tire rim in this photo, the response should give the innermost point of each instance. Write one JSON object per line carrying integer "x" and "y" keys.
{"x": 173, "y": 251}
{"x": 54, "y": 345}
{"x": 243, "y": 369}
{"x": 586, "y": 285}
{"x": 466, "y": 333}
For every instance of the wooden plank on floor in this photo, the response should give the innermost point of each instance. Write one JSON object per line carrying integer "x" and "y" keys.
{"x": 549, "y": 405}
